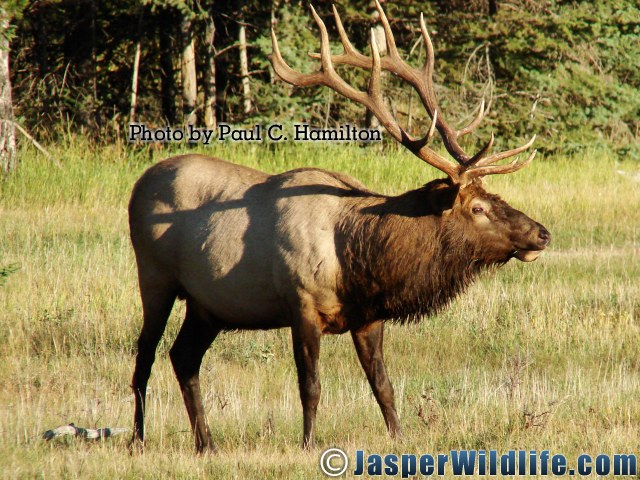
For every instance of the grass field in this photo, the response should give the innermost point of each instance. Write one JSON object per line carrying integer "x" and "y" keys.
{"x": 534, "y": 356}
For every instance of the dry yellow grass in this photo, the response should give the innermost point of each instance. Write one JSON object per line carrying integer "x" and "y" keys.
{"x": 543, "y": 355}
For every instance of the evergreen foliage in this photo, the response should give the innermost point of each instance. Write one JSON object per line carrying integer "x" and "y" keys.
{"x": 567, "y": 70}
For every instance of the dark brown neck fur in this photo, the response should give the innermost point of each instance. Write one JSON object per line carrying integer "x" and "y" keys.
{"x": 402, "y": 258}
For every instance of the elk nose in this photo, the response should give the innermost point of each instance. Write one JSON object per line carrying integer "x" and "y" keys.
{"x": 544, "y": 236}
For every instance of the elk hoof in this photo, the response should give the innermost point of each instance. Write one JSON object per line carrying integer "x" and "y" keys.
{"x": 207, "y": 448}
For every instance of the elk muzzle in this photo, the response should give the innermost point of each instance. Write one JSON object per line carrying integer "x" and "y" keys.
{"x": 542, "y": 240}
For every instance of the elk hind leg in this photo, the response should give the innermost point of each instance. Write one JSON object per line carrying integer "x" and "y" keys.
{"x": 158, "y": 296}
{"x": 195, "y": 337}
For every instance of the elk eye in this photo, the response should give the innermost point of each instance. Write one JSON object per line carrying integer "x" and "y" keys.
{"x": 477, "y": 210}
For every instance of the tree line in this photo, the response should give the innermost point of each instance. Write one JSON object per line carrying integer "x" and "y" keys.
{"x": 567, "y": 70}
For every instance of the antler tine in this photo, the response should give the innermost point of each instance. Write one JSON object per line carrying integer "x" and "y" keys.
{"x": 429, "y": 135}
{"x": 375, "y": 91}
{"x": 350, "y": 56}
{"x": 514, "y": 166}
{"x": 327, "y": 76}
{"x": 423, "y": 152}
{"x": 432, "y": 128}
{"x": 496, "y": 157}
{"x": 388, "y": 34}
{"x": 474, "y": 123}
{"x": 420, "y": 149}
{"x": 376, "y": 102}
{"x": 482, "y": 153}
{"x": 285, "y": 72}
{"x": 325, "y": 48}
{"x": 344, "y": 39}
{"x": 429, "y": 63}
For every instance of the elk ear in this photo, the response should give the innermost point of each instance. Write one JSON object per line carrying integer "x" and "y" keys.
{"x": 443, "y": 197}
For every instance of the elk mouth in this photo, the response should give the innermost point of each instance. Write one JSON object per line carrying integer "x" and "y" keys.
{"x": 527, "y": 255}
{"x": 542, "y": 241}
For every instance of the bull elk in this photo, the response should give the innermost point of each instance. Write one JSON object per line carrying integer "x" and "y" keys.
{"x": 313, "y": 250}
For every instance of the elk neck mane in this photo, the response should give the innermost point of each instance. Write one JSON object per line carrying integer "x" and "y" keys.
{"x": 402, "y": 258}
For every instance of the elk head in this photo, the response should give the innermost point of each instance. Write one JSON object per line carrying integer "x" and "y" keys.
{"x": 499, "y": 231}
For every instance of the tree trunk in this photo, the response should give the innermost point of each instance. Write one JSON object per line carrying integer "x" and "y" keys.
{"x": 189, "y": 85}
{"x": 493, "y": 7}
{"x": 79, "y": 48}
{"x": 210, "y": 78}
{"x": 94, "y": 69}
{"x": 244, "y": 69}
{"x": 167, "y": 77}
{"x": 8, "y": 158}
{"x": 136, "y": 69}
{"x": 41, "y": 51}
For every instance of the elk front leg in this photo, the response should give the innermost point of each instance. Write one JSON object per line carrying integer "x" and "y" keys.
{"x": 368, "y": 343}
{"x": 192, "y": 342}
{"x": 306, "y": 350}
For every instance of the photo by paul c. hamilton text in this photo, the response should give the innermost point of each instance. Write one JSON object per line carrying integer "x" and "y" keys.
{"x": 274, "y": 132}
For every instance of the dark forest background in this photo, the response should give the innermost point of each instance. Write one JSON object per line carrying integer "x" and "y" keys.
{"x": 566, "y": 70}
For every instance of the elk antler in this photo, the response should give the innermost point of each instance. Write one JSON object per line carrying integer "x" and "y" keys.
{"x": 468, "y": 167}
